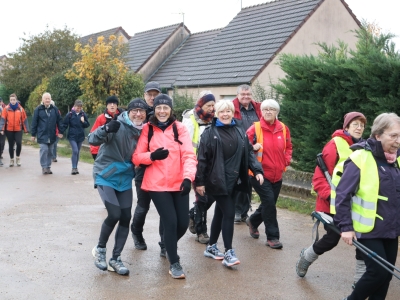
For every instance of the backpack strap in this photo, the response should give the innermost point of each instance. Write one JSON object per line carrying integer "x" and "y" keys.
{"x": 176, "y": 134}
{"x": 149, "y": 136}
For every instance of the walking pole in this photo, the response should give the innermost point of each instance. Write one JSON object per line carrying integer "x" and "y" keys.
{"x": 326, "y": 220}
{"x": 321, "y": 164}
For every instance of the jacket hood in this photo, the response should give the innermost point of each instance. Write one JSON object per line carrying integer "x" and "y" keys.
{"x": 187, "y": 113}
{"x": 372, "y": 145}
{"x": 347, "y": 137}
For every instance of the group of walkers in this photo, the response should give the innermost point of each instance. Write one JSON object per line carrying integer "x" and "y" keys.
{"x": 46, "y": 127}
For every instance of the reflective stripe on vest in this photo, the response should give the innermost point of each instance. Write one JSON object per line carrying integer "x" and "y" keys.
{"x": 344, "y": 152}
{"x": 365, "y": 203}
{"x": 196, "y": 137}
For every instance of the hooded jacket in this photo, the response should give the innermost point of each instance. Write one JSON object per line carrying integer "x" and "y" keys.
{"x": 113, "y": 166}
{"x": 165, "y": 175}
{"x": 389, "y": 186}
{"x": 211, "y": 168}
{"x": 275, "y": 158}
{"x": 44, "y": 123}
{"x": 331, "y": 157}
{"x": 14, "y": 120}
{"x": 76, "y": 128}
{"x": 187, "y": 121}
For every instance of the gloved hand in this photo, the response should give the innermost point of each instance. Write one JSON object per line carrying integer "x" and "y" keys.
{"x": 113, "y": 126}
{"x": 159, "y": 154}
{"x": 185, "y": 187}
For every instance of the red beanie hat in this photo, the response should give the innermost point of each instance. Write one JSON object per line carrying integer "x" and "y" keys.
{"x": 352, "y": 115}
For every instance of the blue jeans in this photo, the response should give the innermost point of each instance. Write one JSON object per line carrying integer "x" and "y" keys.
{"x": 54, "y": 153}
{"x": 45, "y": 153}
{"x": 76, "y": 148}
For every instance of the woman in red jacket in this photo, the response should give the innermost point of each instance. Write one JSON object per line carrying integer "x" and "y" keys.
{"x": 166, "y": 148}
{"x": 13, "y": 121}
{"x": 276, "y": 153}
{"x": 335, "y": 151}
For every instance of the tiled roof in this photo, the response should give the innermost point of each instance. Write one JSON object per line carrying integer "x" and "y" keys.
{"x": 246, "y": 45}
{"x": 144, "y": 44}
{"x": 85, "y": 39}
{"x": 183, "y": 56}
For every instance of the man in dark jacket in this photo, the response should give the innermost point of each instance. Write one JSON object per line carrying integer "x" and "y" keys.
{"x": 247, "y": 110}
{"x": 44, "y": 121}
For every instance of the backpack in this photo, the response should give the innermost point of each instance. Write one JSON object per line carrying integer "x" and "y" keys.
{"x": 174, "y": 129}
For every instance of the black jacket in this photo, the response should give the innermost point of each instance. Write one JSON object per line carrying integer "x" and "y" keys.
{"x": 44, "y": 123}
{"x": 211, "y": 168}
{"x": 76, "y": 131}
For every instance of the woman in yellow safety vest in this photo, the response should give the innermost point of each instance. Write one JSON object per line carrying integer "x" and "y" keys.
{"x": 368, "y": 203}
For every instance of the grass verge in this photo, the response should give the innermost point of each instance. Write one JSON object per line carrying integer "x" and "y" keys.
{"x": 299, "y": 205}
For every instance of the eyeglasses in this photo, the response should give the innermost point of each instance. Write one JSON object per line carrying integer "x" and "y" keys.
{"x": 162, "y": 108}
{"x": 138, "y": 111}
{"x": 152, "y": 95}
{"x": 393, "y": 136}
{"x": 245, "y": 94}
{"x": 356, "y": 125}
{"x": 269, "y": 109}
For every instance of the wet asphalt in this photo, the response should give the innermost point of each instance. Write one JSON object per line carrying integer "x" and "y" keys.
{"x": 50, "y": 223}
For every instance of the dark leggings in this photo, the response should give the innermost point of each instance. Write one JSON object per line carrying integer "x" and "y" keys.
{"x": 118, "y": 205}
{"x": 14, "y": 137}
{"x": 223, "y": 220}
{"x": 173, "y": 210}
{"x": 374, "y": 284}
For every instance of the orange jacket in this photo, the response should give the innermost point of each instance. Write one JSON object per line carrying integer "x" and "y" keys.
{"x": 14, "y": 120}
{"x": 165, "y": 175}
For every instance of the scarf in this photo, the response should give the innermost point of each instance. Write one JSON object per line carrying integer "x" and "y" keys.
{"x": 129, "y": 122}
{"x": 220, "y": 124}
{"x": 205, "y": 116}
{"x": 14, "y": 107}
{"x": 390, "y": 157}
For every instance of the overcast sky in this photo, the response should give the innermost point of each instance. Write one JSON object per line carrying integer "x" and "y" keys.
{"x": 88, "y": 16}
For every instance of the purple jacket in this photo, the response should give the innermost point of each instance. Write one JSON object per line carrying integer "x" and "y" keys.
{"x": 389, "y": 186}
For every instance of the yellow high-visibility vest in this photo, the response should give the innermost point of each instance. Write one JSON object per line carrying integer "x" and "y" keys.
{"x": 196, "y": 135}
{"x": 344, "y": 152}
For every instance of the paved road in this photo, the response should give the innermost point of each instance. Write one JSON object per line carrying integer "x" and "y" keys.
{"x": 50, "y": 223}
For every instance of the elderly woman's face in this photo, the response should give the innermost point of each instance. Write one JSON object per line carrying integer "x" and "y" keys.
{"x": 208, "y": 107}
{"x": 269, "y": 114}
{"x": 390, "y": 139}
{"x": 356, "y": 128}
{"x": 77, "y": 109}
{"x": 225, "y": 116}
{"x": 162, "y": 112}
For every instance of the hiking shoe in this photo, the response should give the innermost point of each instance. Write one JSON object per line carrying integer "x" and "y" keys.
{"x": 73, "y": 171}
{"x": 100, "y": 258}
{"x": 230, "y": 258}
{"x": 254, "y": 233}
{"x": 274, "y": 244}
{"x": 11, "y": 162}
{"x": 203, "y": 238}
{"x": 117, "y": 266}
{"x": 139, "y": 242}
{"x": 18, "y": 160}
{"x": 44, "y": 171}
{"x": 244, "y": 218}
{"x": 191, "y": 225}
{"x": 54, "y": 159}
{"x": 302, "y": 264}
{"x": 76, "y": 171}
{"x": 49, "y": 171}
{"x": 238, "y": 218}
{"x": 212, "y": 251}
{"x": 176, "y": 271}
{"x": 1, "y": 163}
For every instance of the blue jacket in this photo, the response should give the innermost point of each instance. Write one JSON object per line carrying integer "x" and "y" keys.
{"x": 389, "y": 186}
{"x": 76, "y": 131}
{"x": 44, "y": 123}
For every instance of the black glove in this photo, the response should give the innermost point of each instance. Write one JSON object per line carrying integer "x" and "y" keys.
{"x": 113, "y": 126}
{"x": 159, "y": 154}
{"x": 185, "y": 187}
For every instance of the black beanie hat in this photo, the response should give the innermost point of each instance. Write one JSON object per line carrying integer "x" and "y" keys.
{"x": 112, "y": 99}
{"x": 162, "y": 99}
{"x": 137, "y": 103}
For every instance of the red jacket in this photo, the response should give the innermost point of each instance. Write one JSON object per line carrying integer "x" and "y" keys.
{"x": 319, "y": 182}
{"x": 14, "y": 120}
{"x": 166, "y": 175}
{"x": 100, "y": 121}
{"x": 275, "y": 157}
{"x": 238, "y": 115}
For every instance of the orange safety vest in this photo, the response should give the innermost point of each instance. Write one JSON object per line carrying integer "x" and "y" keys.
{"x": 259, "y": 138}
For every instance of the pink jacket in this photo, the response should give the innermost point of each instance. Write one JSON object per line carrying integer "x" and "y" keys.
{"x": 165, "y": 175}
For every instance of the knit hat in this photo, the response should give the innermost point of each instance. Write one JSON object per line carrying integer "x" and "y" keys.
{"x": 152, "y": 85}
{"x": 112, "y": 99}
{"x": 206, "y": 98}
{"x": 162, "y": 99}
{"x": 137, "y": 103}
{"x": 352, "y": 115}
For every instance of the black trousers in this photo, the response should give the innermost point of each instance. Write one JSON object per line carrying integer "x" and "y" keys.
{"x": 266, "y": 212}
{"x": 173, "y": 210}
{"x": 242, "y": 201}
{"x": 141, "y": 210}
{"x": 375, "y": 281}
{"x": 223, "y": 220}
{"x": 2, "y": 143}
{"x": 14, "y": 137}
{"x": 199, "y": 211}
